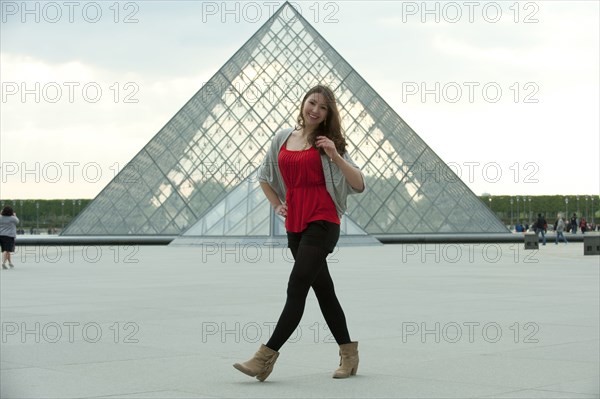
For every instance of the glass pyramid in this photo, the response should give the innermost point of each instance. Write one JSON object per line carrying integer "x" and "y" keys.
{"x": 182, "y": 177}
{"x": 245, "y": 212}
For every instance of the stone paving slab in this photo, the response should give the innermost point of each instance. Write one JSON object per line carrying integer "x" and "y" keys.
{"x": 433, "y": 321}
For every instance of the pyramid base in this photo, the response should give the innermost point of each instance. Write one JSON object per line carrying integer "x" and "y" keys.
{"x": 266, "y": 241}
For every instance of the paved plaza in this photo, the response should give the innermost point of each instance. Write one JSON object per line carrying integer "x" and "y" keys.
{"x": 432, "y": 321}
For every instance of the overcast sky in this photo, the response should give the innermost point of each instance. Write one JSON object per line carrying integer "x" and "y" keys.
{"x": 511, "y": 100}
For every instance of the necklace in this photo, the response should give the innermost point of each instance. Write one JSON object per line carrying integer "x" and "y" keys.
{"x": 306, "y": 143}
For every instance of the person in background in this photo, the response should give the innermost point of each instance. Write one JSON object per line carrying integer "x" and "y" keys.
{"x": 560, "y": 227}
{"x": 573, "y": 224}
{"x": 8, "y": 232}
{"x": 540, "y": 227}
{"x": 583, "y": 225}
{"x": 519, "y": 227}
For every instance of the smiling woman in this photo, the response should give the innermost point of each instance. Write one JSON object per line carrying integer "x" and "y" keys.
{"x": 319, "y": 118}
{"x": 306, "y": 176}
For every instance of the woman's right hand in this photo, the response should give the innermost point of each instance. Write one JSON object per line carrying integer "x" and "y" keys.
{"x": 281, "y": 209}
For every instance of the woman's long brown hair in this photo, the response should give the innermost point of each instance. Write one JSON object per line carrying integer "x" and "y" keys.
{"x": 331, "y": 127}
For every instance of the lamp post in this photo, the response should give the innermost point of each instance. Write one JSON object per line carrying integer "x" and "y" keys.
{"x": 524, "y": 211}
{"x": 490, "y": 200}
{"x": 567, "y": 206}
{"x": 37, "y": 215}
{"x": 577, "y": 198}
{"x": 587, "y": 213}
{"x": 518, "y": 215}
{"x": 62, "y": 205}
{"x": 511, "y": 212}
{"x": 593, "y": 209}
{"x": 529, "y": 200}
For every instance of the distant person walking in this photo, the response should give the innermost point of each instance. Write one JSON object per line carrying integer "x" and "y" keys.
{"x": 573, "y": 224}
{"x": 540, "y": 227}
{"x": 8, "y": 232}
{"x": 560, "y": 227}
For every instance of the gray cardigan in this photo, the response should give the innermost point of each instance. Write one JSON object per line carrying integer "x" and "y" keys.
{"x": 337, "y": 185}
{"x": 8, "y": 226}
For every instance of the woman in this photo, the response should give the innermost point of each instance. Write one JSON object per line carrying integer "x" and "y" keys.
{"x": 306, "y": 176}
{"x": 8, "y": 232}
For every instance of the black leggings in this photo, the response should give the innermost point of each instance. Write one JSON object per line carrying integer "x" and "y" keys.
{"x": 310, "y": 249}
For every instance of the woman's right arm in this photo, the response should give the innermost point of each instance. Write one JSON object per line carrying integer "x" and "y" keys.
{"x": 280, "y": 209}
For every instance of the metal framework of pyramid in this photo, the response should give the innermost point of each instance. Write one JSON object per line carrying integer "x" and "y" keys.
{"x": 184, "y": 177}
{"x": 245, "y": 212}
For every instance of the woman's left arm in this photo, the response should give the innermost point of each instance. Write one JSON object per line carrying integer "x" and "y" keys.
{"x": 352, "y": 174}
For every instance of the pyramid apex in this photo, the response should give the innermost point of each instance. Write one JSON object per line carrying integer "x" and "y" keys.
{"x": 287, "y": 5}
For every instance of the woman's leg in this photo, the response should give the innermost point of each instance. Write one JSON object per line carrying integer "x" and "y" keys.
{"x": 309, "y": 260}
{"x": 330, "y": 306}
{"x": 11, "y": 248}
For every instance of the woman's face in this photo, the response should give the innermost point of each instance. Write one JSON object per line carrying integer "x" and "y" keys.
{"x": 314, "y": 110}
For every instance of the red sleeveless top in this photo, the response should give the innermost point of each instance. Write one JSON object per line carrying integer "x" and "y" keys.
{"x": 306, "y": 195}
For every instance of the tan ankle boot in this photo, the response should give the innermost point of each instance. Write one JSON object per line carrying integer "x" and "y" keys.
{"x": 261, "y": 365}
{"x": 348, "y": 360}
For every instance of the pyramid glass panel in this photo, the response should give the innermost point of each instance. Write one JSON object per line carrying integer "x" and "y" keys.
{"x": 244, "y": 212}
{"x": 193, "y": 175}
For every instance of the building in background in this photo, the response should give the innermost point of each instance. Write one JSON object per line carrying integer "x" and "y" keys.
{"x": 196, "y": 177}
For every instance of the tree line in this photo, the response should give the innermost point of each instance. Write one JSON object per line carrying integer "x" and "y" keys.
{"x": 42, "y": 215}
{"x": 510, "y": 210}
{"x": 56, "y": 214}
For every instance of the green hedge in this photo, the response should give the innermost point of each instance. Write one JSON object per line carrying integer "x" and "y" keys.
{"x": 547, "y": 205}
{"x": 58, "y": 213}
{"x": 46, "y": 214}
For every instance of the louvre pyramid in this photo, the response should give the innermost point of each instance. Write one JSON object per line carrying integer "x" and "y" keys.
{"x": 220, "y": 136}
{"x": 245, "y": 212}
